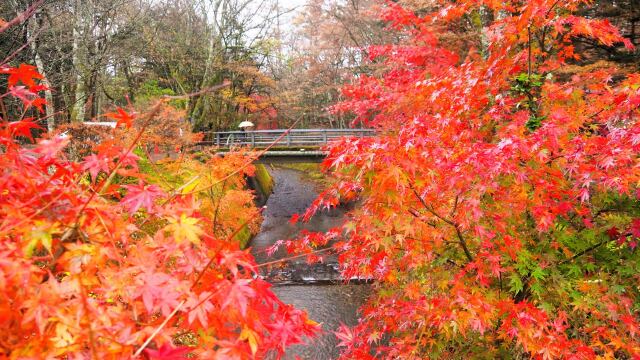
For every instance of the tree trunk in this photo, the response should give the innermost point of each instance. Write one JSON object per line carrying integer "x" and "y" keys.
{"x": 80, "y": 57}
{"x": 48, "y": 95}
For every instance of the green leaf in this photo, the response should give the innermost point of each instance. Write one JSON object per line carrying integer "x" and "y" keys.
{"x": 536, "y": 288}
{"x": 538, "y": 274}
{"x": 515, "y": 284}
{"x": 574, "y": 270}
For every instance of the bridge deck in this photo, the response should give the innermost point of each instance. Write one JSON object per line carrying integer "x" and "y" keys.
{"x": 292, "y": 138}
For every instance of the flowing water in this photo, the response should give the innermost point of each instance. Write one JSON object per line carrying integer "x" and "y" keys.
{"x": 329, "y": 305}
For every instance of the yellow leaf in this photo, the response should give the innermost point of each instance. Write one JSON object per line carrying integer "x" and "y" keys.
{"x": 250, "y": 335}
{"x": 185, "y": 228}
{"x": 311, "y": 322}
{"x": 40, "y": 234}
{"x": 191, "y": 185}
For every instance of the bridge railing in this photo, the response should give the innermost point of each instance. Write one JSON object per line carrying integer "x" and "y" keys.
{"x": 292, "y": 138}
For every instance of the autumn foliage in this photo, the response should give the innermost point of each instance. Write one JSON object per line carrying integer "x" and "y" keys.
{"x": 98, "y": 262}
{"x": 499, "y": 212}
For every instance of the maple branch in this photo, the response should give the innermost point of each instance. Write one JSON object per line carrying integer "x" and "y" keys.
{"x": 30, "y": 217}
{"x": 22, "y": 17}
{"x": 429, "y": 208}
{"x": 112, "y": 173}
{"x": 461, "y": 240}
{"x": 19, "y": 50}
{"x": 455, "y": 205}
{"x": 529, "y": 41}
{"x": 585, "y": 251}
{"x": 158, "y": 329}
{"x": 150, "y": 116}
{"x": 463, "y": 243}
{"x": 553, "y": 6}
{"x": 48, "y": 116}
{"x": 417, "y": 215}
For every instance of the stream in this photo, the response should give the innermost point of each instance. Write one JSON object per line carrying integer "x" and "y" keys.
{"x": 297, "y": 283}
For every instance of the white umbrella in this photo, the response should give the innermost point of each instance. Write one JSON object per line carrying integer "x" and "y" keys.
{"x": 246, "y": 124}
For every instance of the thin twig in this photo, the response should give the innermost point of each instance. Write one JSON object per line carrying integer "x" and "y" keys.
{"x": 461, "y": 240}
{"x": 529, "y": 41}
{"x": 158, "y": 329}
{"x": 19, "y": 50}
{"x": 587, "y": 250}
{"x": 418, "y": 216}
{"x": 217, "y": 211}
{"x": 22, "y": 17}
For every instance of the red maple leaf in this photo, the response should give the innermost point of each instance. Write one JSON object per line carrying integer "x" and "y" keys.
{"x": 200, "y": 307}
{"x": 168, "y": 352}
{"x": 29, "y": 97}
{"x": 26, "y": 74}
{"x": 238, "y": 294}
{"x": 22, "y": 93}
{"x": 122, "y": 117}
{"x": 95, "y": 164}
{"x": 141, "y": 196}
{"x": 158, "y": 290}
{"x": 345, "y": 335}
{"x": 23, "y": 128}
{"x": 285, "y": 331}
{"x": 48, "y": 149}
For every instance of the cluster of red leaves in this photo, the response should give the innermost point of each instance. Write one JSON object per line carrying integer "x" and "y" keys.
{"x": 498, "y": 219}
{"x": 93, "y": 269}
{"x": 22, "y": 85}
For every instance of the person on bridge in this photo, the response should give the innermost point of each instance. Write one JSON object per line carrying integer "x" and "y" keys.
{"x": 245, "y": 126}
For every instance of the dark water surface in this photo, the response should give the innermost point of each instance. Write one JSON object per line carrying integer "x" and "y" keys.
{"x": 329, "y": 305}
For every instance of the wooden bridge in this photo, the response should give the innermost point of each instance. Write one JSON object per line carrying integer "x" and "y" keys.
{"x": 290, "y": 139}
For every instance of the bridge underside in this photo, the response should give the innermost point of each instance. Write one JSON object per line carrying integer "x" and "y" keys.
{"x": 292, "y": 157}
{"x": 289, "y": 157}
